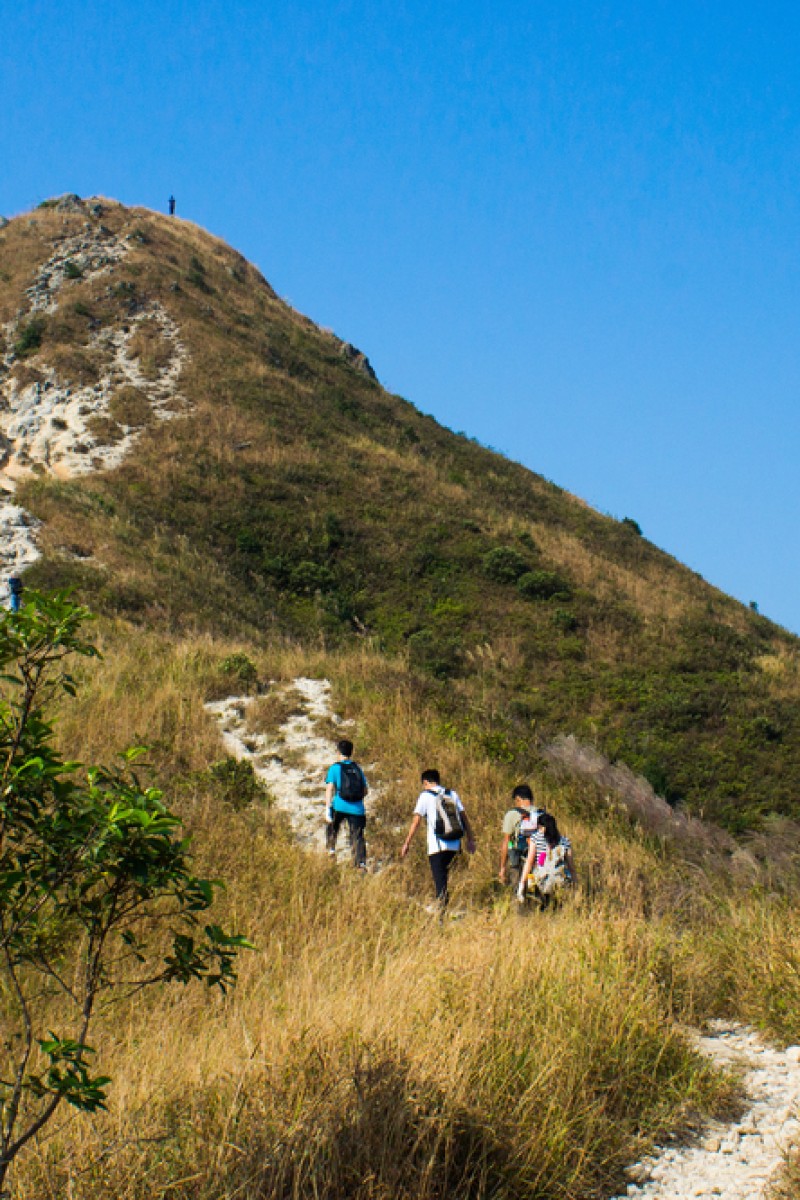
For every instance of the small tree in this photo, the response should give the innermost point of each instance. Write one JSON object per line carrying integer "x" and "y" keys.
{"x": 97, "y": 896}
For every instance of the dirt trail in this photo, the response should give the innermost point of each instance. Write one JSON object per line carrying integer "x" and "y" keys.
{"x": 737, "y": 1161}
{"x": 293, "y": 759}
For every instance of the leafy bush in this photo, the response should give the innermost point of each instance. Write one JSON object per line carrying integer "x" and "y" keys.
{"x": 240, "y": 667}
{"x": 235, "y": 783}
{"x": 248, "y": 542}
{"x": 439, "y": 656}
{"x": 30, "y": 337}
{"x": 542, "y": 585}
{"x": 72, "y": 270}
{"x": 504, "y": 564}
{"x": 565, "y": 620}
{"x": 97, "y": 896}
{"x": 571, "y": 649}
{"x": 634, "y": 526}
{"x": 307, "y": 578}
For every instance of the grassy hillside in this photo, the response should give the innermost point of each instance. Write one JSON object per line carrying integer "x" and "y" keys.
{"x": 296, "y": 498}
{"x": 369, "y": 1052}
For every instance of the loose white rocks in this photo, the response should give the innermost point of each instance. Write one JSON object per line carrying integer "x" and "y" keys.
{"x": 293, "y": 763}
{"x": 47, "y": 426}
{"x": 739, "y": 1161}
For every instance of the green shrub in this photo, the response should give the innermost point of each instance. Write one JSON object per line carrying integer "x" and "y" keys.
{"x": 542, "y": 585}
{"x": 439, "y": 656}
{"x": 307, "y": 578}
{"x": 247, "y": 542}
{"x": 72, "y": 270}
{"x": 97, "y": 888}
{"x": 571, "y": 649}
{"x": 235, "y": 783}
{"x": 504, "y": 564}
{"x": 30, "y": 337}
{"x": 565, "y": 620}
{"x": 240, "y": 667}
{"x": 634, "y": 526}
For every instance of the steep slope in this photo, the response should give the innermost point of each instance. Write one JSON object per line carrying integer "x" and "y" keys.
{"x": 200, "y": 455}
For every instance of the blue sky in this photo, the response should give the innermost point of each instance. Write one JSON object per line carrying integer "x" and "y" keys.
{"x": 568, "y": 229}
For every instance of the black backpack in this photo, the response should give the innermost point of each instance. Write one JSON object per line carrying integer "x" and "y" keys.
{"x": 351, "y": 783}
{"x": 447, "y": 826}
{"x": 518, "y": 841}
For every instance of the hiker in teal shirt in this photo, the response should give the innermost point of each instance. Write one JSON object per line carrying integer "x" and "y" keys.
{"x": 346, "y": 787}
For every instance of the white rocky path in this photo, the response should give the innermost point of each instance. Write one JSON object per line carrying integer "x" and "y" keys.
{"x": 47, "y": 425}
{"x": 291, "y": 761}
{"x": 741, "y": 1160}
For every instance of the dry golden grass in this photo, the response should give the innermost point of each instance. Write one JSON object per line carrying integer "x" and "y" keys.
{"x": 658, "y": 594}
{"x": 369, "y": 1051}
{"x": 782, "y": 672}
{"x": 152, "y": 349}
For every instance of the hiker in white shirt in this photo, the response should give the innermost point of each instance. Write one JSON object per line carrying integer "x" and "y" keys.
{"x": 444, "y": 814}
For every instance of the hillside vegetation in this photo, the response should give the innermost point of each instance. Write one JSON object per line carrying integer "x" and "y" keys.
{"x": 368, "y": 1051}
{"x": 295, "y": 495}
{"x": 289, "y": 519}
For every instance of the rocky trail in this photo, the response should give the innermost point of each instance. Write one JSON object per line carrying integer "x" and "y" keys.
{"x": 292, "y": 759}
{"x": 740, "y": 1160}
{"x": 52, "y": 427}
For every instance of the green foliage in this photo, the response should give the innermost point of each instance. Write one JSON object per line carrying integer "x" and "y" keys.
{"x": 504, "y": 564}
{"x": 433, "y": 653}
{"x": 72, "y": 270}
{"x": 634, "y": 526}
{"x": 310, "y": 577}
{"x": 240, "y": 667}
{"x": 565, "y": 620}
{"x": 96, "y": 889}
{"x": 542, "y": 585}
{"x": 234, "y": 782}
{"x": 30, "y": 337}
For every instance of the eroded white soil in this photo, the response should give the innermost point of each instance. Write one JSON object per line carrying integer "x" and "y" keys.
{"x": 47, "y": 426}
{"x": 740, "y": 1160}
{"x": 292, "y": 762}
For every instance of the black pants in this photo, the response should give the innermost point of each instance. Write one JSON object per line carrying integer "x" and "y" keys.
{"x": 355, "y": 829}
{"x": 440, "y": 869}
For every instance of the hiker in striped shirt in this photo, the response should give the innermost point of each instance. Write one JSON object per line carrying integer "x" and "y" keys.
{"x": 550, "y": 865}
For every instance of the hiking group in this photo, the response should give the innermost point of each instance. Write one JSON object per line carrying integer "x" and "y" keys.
{"x": 535, "y": 858}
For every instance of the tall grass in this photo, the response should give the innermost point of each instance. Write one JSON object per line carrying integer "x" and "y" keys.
{"x": 369, "y": 1051}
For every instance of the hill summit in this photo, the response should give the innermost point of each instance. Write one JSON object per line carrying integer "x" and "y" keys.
{"x": 188, "y": 451}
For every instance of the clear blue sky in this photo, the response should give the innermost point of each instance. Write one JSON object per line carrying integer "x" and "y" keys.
{"x": 568, "y": 229}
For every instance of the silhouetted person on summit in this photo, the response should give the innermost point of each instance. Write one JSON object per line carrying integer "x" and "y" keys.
{"x": 172, "y": 206}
